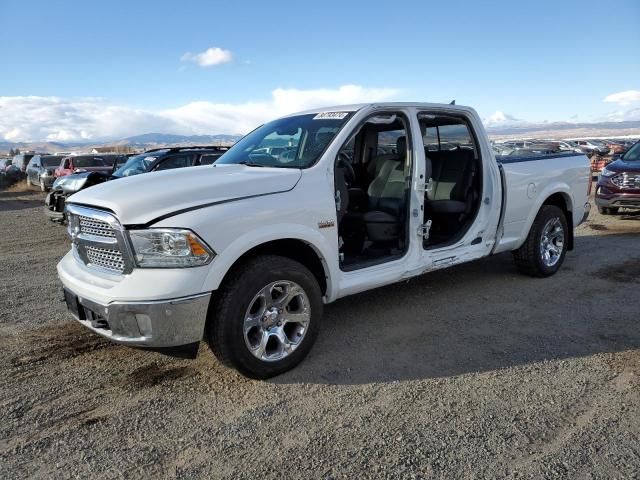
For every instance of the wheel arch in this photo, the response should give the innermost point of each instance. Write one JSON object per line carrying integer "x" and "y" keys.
{"x": 299, "y": 249}
{"x": 562, "y": 200}
{"x": 558, "y": 195}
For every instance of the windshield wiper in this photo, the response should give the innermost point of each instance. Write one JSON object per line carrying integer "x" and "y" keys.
{"x": 250, "y": 164}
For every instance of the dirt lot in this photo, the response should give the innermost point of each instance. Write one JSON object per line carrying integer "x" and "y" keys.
{"x": 473, "y": 372}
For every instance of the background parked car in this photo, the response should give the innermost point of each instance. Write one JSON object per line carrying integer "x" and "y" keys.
{"x": 619, "y": 185}
{"x": 8, "y": 173}
{"x": 168, "y": 158}
{"x": 616, "y": 147}
{"x": 22, "y": 160}
{"x": 41, "y": 169}
{"x": 592, "y": 147}
{"x": 88, "y": 163}
{"x": 152, "y": 160}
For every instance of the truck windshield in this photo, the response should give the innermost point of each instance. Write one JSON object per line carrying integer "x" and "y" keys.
{"x": 291, "y": 142}
{"x": 137, "y": 164}
{"x": 633, "y": 155}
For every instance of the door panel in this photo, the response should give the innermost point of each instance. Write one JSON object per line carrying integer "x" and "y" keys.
{"x": 461, "y": 189}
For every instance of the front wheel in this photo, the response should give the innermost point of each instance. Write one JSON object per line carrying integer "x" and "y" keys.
{"x": 266, "y": 316}
{"x": 543, "y": 252}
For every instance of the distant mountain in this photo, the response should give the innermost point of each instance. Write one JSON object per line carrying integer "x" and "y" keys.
{"x": 499, "y": 126}
{"x": 172, "y": 139}
{"x": 135, "y": 143}
{"x": 562, "y": 129}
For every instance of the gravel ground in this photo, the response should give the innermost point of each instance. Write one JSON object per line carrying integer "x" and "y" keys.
{"x": 472, "y": 372}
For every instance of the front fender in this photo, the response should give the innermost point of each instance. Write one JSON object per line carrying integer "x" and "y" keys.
{"x": 243, "y": 244}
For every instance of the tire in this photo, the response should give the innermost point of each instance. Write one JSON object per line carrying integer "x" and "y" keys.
{"x": 236, "y": 344}
{"x": 608, "y": 210}
{"x": 530, "y": 257}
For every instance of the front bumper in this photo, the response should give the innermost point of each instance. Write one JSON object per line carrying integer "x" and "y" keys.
{"x": 54, "y": 205}
{"x": 53, "y": 215}
{"x": 618, "y": 200}
{"x": 154, "y": 324}
{"x": 47, "y": 180}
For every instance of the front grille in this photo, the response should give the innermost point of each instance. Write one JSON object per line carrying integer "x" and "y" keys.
{"x": 98, "y": 228}
{"x": 99, "y": 241}
{"x": 105, "y": 258}
{"x": 626, "y": 180}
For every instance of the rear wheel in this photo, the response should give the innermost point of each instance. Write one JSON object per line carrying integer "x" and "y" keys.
{"x": 266, "y": 316}
{"x": 543, "y": 252}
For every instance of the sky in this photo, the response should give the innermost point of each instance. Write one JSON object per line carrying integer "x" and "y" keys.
{"x": 75, "y": 70}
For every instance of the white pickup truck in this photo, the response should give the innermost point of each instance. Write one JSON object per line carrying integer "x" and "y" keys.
{"x": 300, "y": 212}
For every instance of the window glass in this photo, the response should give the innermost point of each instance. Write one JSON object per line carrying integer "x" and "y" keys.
{"x": 209, "y": 158}
{"x": 82, "y": 162}
{"x": 175, "y": 161}
{"x": 138, "y": 164}
{"x": 430, "y": 139}
{"x": 388, "y": 140}
{"x": 290, "y": 142}
{"x": 50, "y": 161}
{"x": 633, "y": 155}
{"x": 449, "y": 136}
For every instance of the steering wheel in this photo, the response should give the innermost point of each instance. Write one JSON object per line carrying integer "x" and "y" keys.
{"x": 345, "y": 162}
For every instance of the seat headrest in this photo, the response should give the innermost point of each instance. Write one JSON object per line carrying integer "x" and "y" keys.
{"x": 401, "y": 147}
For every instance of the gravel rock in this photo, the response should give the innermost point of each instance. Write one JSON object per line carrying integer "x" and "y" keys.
{"x": 472, "y": 372}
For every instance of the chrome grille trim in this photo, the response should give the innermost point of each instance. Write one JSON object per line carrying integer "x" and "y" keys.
{"x": 99, "y": 241}
{"x": 105, "y": 258}
{"x": 95, "y": 227}
{"x": 626, "y": 180}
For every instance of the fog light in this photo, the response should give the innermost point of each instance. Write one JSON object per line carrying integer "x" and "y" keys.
{"x": 144, "y": 324}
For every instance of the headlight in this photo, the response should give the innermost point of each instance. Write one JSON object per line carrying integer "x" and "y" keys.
{"x": 169, "y": 248}
{"x": 607, "y": 173}
{"x": 58, "y": 182}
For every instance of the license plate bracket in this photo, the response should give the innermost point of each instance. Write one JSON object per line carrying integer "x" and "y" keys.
{"x": 73, "y": 304}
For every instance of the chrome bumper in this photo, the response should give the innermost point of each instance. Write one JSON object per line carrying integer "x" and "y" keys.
{"x": 156, "y": 324}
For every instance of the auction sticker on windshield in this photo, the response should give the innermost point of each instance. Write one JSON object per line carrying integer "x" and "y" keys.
{"x": 331, "y": 116}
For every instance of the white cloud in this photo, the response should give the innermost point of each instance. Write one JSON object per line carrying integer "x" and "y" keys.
{"x": 500, "y": 119}
{"x": 210, "y": 57}
{"x": 68, "y": 119}
{"x": 624, "y": 98}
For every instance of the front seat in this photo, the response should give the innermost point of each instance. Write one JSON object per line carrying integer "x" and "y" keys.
{"x": 386, "y": 195}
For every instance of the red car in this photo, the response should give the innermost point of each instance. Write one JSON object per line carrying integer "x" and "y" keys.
{"x": 82, "y": 163}
{"x": 619, "y": 184}
{"x": 598, "y": 163}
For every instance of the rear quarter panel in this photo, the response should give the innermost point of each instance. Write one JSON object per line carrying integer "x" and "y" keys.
{"x": 530, "y": 182}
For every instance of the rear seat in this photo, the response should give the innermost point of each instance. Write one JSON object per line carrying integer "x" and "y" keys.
{"x": 451, "y": 181}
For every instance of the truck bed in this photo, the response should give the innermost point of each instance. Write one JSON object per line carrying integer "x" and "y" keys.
{"x": 528, "y": 182}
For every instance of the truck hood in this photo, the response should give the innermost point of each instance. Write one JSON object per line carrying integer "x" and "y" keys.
{"x": 141, "y": 199}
